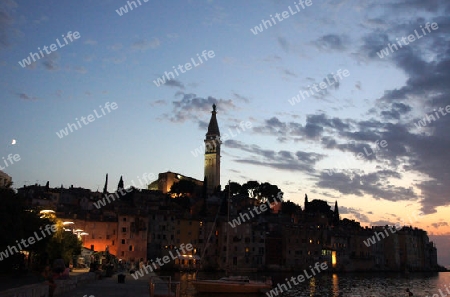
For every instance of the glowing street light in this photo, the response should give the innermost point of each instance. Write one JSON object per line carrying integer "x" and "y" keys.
{"x": 46, "y": 213}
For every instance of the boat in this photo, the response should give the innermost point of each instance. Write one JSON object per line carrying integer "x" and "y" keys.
{"x": 232, "y": 284}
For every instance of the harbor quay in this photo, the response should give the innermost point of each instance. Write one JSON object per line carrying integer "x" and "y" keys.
{"x": 109, "y": 286}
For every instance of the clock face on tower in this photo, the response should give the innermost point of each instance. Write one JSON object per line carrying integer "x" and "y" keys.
{"x": 210, "y": 148}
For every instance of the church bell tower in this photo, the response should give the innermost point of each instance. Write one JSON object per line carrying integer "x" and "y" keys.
{"x": 212, "y": 154}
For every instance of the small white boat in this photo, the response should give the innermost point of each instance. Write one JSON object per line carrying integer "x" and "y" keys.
{"x": 232, "y": 284}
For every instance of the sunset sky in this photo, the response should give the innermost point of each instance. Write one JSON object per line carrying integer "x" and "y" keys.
{"x": 352, "y": 135}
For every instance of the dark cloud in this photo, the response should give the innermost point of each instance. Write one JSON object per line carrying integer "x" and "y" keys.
{"x": 361, "y": 217}
{"x": 331, "y": 42}
{"x": 24, "y": 96}
{"x": 158, "y": 102}
{"x": 50, "y": 61}
{"x": 284, "y": 160}
{"x": 360, "y": 184}
{"x": 421, "y": 150}
{"x": 202, "y": 125}
{"x": 315, "y": 126}
{"x": 289, "y": 73}
{"x": 7, "y": 8}
{"x": 439, "y": 224}
{"x": 174, "y": 83}
{"x": 283, "y": 43}
{"x": 241, "y": 97}
{"x": 396, "y": 112}
{"x": 143, "y": 45}
{"x": 373, "y": 43}
{"x": 404, "y": 151}
{"x": 191, "y": 107}
{"x": 429, "y": 5}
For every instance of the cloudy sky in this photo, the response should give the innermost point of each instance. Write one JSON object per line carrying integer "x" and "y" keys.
{"x": 322, "y": 98}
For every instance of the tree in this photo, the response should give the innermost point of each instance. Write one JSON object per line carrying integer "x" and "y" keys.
{"x": 19, "y": 223}
{"x": 105, "y": 187}
{"x": 183, "y": 188}
{"x": 268, "y": 192}
{"x": 63, "y": 245}
{"x": 290, "y": 208}
{"x": 120, "y": 184}
{"x": 235, "y": 187}
{"x": 251, "y": 189}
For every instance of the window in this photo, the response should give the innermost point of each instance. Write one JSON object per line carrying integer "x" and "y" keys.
{"x": 124, "y": 219}
{"x": 124, "y": 229}
{"x": 123, "y": 253}
{"x": 261, "y": 251}
{"x": 123, "y": 241}
{"x": 112, "y": 242}
{"x": 92, "y": 247}
{"x": 130, "y": 248}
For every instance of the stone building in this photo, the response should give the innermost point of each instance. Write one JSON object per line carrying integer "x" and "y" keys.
{"x": 5, "y": 180}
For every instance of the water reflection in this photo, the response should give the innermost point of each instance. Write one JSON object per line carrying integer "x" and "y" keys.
{"x": 345, "y": 285}
{"x": 335, "y": 284}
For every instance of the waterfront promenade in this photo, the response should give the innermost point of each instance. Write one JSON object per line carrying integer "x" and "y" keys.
{"x": 108, "y": 286}
{"x": 80, "y": 284}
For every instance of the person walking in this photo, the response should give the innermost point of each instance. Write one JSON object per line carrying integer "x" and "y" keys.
{"x": 47, "y": 276}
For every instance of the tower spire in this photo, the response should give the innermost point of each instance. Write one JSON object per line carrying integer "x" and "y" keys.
{"x": 120, "y": 184}
{"x": 212, "y": 153}
{"x": 105, "y": 188}
{"x": 213, "y": 127}
{"x": 336, "y": 214}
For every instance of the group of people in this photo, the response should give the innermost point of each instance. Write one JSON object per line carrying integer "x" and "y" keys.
{"x": 131, "y": 266}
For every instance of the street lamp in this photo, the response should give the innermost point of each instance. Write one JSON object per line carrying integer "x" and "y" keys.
{"x": 47, "y": 213}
